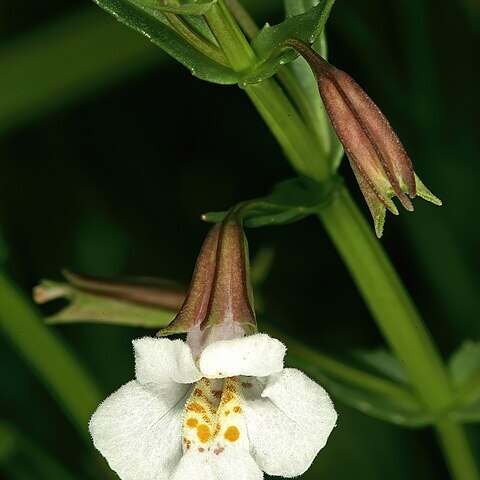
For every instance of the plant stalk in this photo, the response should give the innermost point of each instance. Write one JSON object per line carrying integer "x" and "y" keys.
{"x": 456, "y": 449}
{"x": 283, "y": 119}
{"x": 378, "y": 282}
{"x": 400, "y": 324}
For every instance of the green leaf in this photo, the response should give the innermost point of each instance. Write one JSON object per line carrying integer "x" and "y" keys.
{"x": 153, "y": 24}
{"x": 290, "y": 201}
{"x": 268, "y": 43}
{"x": 180, "y": 8}
{"x": 371, "y": 394}
{"x": 468, "y": 413}
{"x": 133, "y": 304}
{"x": 88, "y": 308}
{"x": 378, "y": 406}
{"x": 383, "y": 362}
{"x": 464, "y": 369}
{"x": 464, "y": 365}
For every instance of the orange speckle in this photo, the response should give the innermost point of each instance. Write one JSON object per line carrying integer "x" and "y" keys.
{"x": 217, "y": 393}
{"x": 203, "y": 433}
{"x": 198, "y": 392}
{"x": 196, "y": 407}
{"x": 237, "y": 409}
{"x": 192, "y": 422}
{"x": 232, "y": 434}
{"x": 227, "y": 397}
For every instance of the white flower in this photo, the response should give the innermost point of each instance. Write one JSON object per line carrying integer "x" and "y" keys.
{"x": 229, "y": 416}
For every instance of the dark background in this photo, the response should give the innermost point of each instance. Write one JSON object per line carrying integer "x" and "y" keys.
{"x": 110, "y": 152}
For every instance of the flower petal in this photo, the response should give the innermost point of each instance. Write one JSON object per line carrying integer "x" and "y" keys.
{"x": 193, "y": 465}
{"x": 229, "y": 464}
{"x": 138, "y": 430}
{"x": 235, "y": 464}
{"x": 159, "y": 360}
{"x": 256, "y": 355}
{"x": 288, "y": 422}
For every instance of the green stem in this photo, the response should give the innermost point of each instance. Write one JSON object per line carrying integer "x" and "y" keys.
{"x": 399, "y": 322}
{"x": 56, "y": 366}
{"x": 374, "y": 275}
{"x": 387, "y": 299}
{"x": 243, "y": 18}
{"x": 288, "y": 81}
{"x": 456, "y": 449}
{"x": 268, "y": 97}
{"x": 288, "y": 128}
{"x": 230, "y": 38}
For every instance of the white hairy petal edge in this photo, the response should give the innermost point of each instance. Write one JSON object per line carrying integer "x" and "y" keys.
{"x": 256, "y": 355}
{"x": 138, "y": 430}
{"x": 161, "y": 361}
{"x": 289, "y": 423}
{"x": 233, "y": 463}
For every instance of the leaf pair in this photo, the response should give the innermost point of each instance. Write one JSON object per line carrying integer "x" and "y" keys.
{"x": 290, "y": 201}
{"x": 180, "y": 29}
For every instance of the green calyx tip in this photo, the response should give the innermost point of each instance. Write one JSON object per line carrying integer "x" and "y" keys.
{"x": 425, "y": 193}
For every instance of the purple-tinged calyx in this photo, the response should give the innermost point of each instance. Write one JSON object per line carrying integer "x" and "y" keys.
{"x": 377, "y": 157}
{"x": 219, "y": 302}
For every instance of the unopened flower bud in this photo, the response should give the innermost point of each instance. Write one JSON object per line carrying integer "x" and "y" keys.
{"x": 377, "y": 157}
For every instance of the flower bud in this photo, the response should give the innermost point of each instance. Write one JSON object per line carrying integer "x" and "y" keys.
{"x": 194, "y": 308}
{"x": 377, "y": 157}
{"x": 219, "y": 302}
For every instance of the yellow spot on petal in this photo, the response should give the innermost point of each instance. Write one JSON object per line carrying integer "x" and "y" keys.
{"x": 203, "y": 433}
{"x": 232, "y": 434}
{"x": 237, "y": 409}
{"x": 192, "y": 422}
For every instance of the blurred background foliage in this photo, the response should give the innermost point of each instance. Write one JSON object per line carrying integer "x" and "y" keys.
{"x": 110, "y": 151}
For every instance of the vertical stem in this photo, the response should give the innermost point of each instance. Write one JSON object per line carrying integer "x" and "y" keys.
{"x": 387, "y": 300}
{"x": 456, "y": 449}
{"x": 57, "y": 368}
{"x": 400, "y": 324}
{"x": 285, "y": 123}
{"x": 230, "y": 37}
{"x": 268, "y": 97}
{"x": 53, "y": 362}
{"x": 374, "y": 275}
